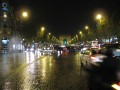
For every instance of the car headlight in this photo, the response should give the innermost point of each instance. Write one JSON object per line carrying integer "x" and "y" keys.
{"x": 116, "y": 86}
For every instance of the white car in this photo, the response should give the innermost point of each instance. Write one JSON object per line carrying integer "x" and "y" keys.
{"x": 88, "y": 59}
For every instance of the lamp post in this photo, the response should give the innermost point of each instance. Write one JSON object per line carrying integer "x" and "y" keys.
{"x": 25, "y": 14}
{"x": 42, "y": 28}
{"x": 23, "y": 30}
{"x": 24, "y": 18}
{"x": 99, "y": 17}
{"x": 86, "y": 27}
{"x": 49, "y": 37}
{"x": 5, "y": 33}
{"x": 100, "y": 29}
{"x": 42, "y": 32}
{"x": 76, "y": 38}
{"x": 81, "y": 35}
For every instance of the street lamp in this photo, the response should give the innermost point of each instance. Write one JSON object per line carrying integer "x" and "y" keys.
{"x": 42, "y": 28}
{"x": 76, "y": 38}
{"x": 25, "y": 14}
{"x": 42, "y": 31}
{"x": 80, "y": 32}
{"x": 81, "y": 35}
{"x": 49, "y": 33}
{"x": 100, "y": 21}
{"x": 99, "y": 16}
{"x": 48, "y": 37}
{"x": 86, "y": 27}
{"x": 5, "y": 15}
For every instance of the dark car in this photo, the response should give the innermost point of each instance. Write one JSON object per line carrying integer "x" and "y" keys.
{"x": 107, "y": 75}
{"x": 111, "y": 50}
{"x": 71, "y": 49}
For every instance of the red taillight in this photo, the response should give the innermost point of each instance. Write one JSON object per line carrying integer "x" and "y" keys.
{"x": 119, "y": 83}
{"x": 92, "y": 57}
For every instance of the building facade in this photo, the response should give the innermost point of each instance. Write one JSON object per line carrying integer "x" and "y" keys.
{"x": 9, "y": 26}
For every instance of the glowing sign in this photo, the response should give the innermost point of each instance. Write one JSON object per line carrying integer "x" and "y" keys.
{"x": 5, "y": 6}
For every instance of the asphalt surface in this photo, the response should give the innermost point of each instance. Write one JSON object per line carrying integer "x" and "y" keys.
{"x": 35, "y": 71}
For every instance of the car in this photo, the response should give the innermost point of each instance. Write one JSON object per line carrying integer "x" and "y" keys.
{"x": 106, "y": 77}
{"x": 107, "y": 74}
{"x": 94, "y": 56}
{"x": 91, "y": 57}
{"x": 111, "y": 50}
{"x": 71, "y": 49}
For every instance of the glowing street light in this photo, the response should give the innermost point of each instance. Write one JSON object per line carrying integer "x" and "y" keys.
{"x": 5, "y": 15}
{"x": 48, "y": 37}
{"x": 25, "y": 14}
{"x": 99, "y": 16}
{"x": 42, "y": 28}
{"x": 80, "y": 32}
{"x": 49, "y": 33}
{"x": 86, "y": 27}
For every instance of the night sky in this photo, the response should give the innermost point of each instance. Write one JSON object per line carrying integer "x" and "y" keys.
{"x": 65, "y": 16}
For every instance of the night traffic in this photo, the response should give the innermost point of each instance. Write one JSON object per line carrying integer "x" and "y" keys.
{"x": 59, "y": 45}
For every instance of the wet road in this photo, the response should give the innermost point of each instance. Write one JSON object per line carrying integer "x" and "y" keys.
{"x": 33, "y": 71}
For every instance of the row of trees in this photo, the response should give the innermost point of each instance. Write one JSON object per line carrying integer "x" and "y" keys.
{"x": 106, "y": 28}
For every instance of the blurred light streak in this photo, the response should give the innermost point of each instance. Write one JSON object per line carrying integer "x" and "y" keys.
{"x": 115, "y": 86}
{"x": 30, "y": 57}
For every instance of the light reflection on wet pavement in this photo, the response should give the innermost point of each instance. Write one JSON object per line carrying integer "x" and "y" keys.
{"x": 32, "y": 71}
